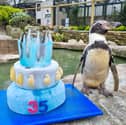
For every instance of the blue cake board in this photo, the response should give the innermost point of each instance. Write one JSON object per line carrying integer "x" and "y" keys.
{"x": 76, "y": 106}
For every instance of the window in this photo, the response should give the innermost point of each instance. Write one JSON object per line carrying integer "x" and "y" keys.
{"x": 38, "y": 7}
{"x": 39, "y": 21}
{"x": 47, "y": 15}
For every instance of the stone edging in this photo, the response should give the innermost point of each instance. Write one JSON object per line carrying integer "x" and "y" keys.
{"x": 119, "y": 51}
{"x": 116, "y": 50}
{"x": 8, "y": 46}
{"x": 8, "y": 57}
{"x": 64, "y": 45}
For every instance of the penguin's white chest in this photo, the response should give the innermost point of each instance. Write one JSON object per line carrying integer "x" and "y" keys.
{"x": 96, "y": 67}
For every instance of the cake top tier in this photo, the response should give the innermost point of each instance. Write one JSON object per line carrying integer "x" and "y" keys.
{"x": 35, "y": 48}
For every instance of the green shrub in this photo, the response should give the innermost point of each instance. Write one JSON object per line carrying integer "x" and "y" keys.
{"x": 73, "y": 28}
{"x": 120, "y": 28}
{"x": 21, "y": 20}
{"x": 87, "y": 28}
{"x": 4, "y": 15}
{"x": 6, "y": 12}
{"x": 81, "y": 27}
{"x": 57, "y": 37}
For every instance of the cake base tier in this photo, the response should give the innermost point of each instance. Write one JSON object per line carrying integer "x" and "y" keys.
{"x": 25, "y": 101}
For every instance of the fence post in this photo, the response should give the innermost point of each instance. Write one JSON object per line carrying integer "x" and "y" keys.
{"x": 92, "y": 11}
{"x": 105, "y": 10}
{"x": 88, "y": 15}
{"x": 85, "y": 13}
{"x": 52, "y": 16}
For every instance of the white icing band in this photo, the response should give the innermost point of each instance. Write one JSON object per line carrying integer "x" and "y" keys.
{"x": 36, "y": 78}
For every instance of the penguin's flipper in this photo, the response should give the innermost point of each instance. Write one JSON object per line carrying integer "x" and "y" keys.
{"x": 75, "y": 74}
{"x": 82, "y": 62}
{"x": 115, "y": 74}
{"x": 83, "y": 58}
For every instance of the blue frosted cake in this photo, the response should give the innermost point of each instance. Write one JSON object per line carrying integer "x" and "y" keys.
{"x": 36, "y": 78}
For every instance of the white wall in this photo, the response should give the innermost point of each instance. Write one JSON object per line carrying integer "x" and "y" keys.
{"x": 44, "y": 14}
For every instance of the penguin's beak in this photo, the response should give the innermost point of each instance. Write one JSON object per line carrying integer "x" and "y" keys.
{"x": 106, "y": 26}
{"x": 100, "y": 27}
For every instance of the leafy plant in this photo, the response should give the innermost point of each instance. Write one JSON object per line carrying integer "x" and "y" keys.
{"x": 6, "y": 12}
{"x": 58, "y": 37}
{"x": 87, "y": 28}
{"x": 81, "y": 27}
{"x": 73, "y": 15}
{"x": 120, "y": 28}
{"x": 73, "y": 27}
{"x": 21, "y": 20}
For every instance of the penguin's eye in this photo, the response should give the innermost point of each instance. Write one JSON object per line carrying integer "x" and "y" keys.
{"x": 99, "y": 24}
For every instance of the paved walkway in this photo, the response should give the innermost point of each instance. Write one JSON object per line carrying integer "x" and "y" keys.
{"x": 5, "y": 37}
{"x": 114, "y": 108}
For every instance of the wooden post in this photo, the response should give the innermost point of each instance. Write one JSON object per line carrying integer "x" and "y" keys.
{"x": 52, "y": 9}
{"x": 92, "y": 11}
{"x": 57, "y": 16}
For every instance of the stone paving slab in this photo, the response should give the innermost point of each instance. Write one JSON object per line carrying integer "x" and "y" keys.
{"x": 65, "y": 45}
{"x": 5, "y": 37}
{"x": 8, "y": 57}
{"x": 114, "y": 108}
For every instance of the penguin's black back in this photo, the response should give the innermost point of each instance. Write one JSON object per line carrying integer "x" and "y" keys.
{"x": 99, "y": 44}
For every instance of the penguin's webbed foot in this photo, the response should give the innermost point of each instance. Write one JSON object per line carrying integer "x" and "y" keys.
{"x": 105, "y": 92}
{"x": 86, "y": 90}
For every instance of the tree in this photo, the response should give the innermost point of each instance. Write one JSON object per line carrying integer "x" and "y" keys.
{"x": 122, "y": 15}
{"x": 115, "y": 15}
{"x": 73, "y": 15}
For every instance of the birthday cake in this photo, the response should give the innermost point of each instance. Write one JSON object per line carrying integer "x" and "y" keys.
{"x": 36, "y": 78}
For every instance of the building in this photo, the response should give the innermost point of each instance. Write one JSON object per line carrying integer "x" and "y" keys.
{"x": 61, "y": 15}
{"x": 44, "y": 13}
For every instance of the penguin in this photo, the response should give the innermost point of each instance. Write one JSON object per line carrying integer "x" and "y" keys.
{"x": 97, "y": 59}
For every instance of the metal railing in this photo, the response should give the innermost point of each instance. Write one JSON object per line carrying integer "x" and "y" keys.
{"x": 90, "y": 9}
